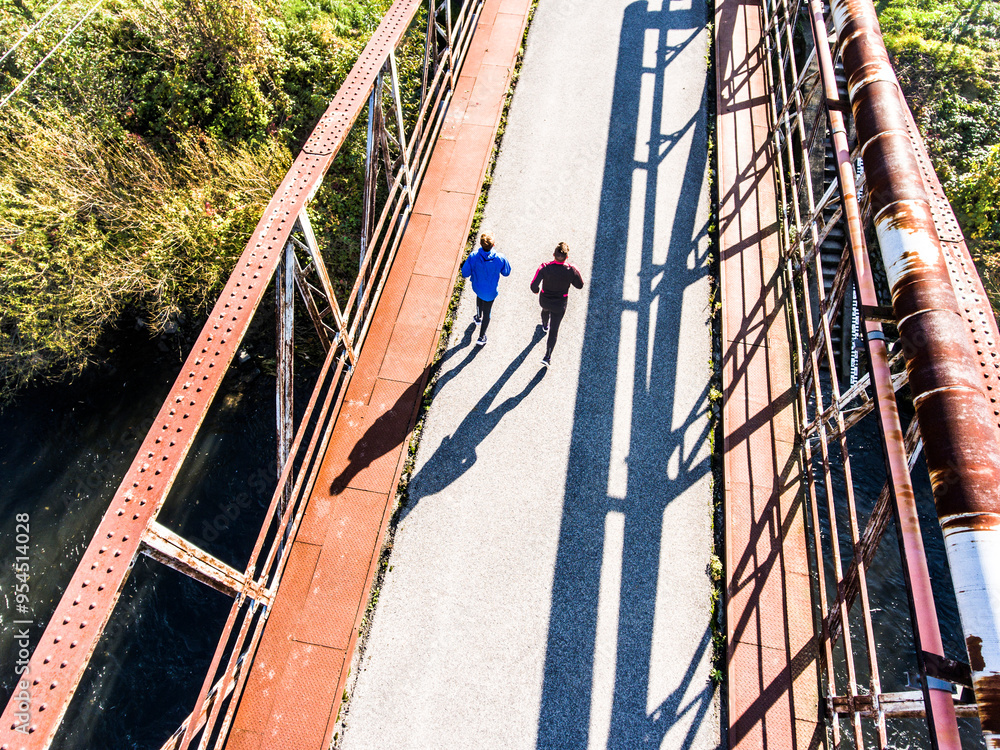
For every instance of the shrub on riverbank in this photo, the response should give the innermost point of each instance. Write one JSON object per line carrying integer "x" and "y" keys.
{"x": 947, "y": 57}
{"x": 137, "y": 162}
{"x": 94, "y": 226}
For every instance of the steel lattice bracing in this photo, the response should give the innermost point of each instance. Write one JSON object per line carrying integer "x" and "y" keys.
{"x": 878, "y": 174}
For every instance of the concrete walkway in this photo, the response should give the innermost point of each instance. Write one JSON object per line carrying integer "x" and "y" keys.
{"x": 548, "y": 583}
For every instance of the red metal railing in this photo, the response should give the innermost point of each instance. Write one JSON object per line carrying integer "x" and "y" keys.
{"x": 282, "y": 248}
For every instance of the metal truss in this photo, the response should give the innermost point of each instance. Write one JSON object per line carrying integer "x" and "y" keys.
{"x": 283, "y": 247}
{"x": 853, "y": 354}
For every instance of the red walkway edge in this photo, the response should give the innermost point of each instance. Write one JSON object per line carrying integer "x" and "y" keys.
{"x": 297, "y": 678}
{"x": 771, "y": 655}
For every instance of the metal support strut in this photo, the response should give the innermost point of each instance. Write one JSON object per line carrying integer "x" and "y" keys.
{"x": 963, "y": 458}
{"x": 284, "y": 286}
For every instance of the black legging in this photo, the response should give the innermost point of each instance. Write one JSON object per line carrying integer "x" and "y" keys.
{"x": 484, "y": 308}
{"x": 552, "y": 317}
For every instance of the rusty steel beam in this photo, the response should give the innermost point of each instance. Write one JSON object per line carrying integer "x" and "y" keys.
{"x": 328, "y": 335}
{"x": 940, "y": 709}
{"x": 284, "y": 342}
{"x": 850, "y": 417}
{"x": 963, "y": 449}
{"x": 400, "y": 128}
{"x": 64, "y": 650}
{"x": 820, "y": 350}
{"x": 312, "y": 248}
{"x": 326, "y": 287}
{"x": 371, "y": 177}
{"x": 908, "y": 705}
{"x": 428, "y": 51}
{"x": 306, "y": 292}
{"x": 169, "y": 548}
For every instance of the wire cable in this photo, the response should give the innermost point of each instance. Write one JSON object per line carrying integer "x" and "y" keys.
{"x": 28, "y": 33}
{"x": 35, "y": 69}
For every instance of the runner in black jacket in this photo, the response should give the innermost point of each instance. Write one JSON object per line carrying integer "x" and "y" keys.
{"x": 553, "y": 280}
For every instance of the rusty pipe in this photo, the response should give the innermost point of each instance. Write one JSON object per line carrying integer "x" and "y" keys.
{"x": 939, "y": 707}
{"x": 962, "y": 446}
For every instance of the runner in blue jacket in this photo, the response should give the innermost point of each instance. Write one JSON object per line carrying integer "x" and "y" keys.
{"x": 485, "y": 267}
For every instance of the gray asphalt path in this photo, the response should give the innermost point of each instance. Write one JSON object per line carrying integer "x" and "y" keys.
{"x": 548, "y": 585}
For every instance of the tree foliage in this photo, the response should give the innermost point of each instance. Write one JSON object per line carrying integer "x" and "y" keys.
{"x": 137, "y": 163}
{"x": 947, "y": 57}
{"x": 95, "y": 225}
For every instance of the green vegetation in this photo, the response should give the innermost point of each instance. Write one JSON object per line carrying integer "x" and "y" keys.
{"x": 947, "y": 56}
{"x": 138, "y": 160}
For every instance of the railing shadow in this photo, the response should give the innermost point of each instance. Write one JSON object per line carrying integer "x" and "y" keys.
{"x": 640, "y": 453}
{"x": 383, "y": 434}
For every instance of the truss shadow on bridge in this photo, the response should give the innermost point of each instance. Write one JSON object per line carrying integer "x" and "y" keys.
{"x": 627, "y": 486}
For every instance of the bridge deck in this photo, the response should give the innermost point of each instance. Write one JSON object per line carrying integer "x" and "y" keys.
{"x": 297, "y": 679}
{"x": 772, "y": 667}
{"x": 549, "y": 585}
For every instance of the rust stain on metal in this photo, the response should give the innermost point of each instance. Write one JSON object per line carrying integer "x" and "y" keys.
{"x": 974, "y": 522}
{"x": 974, "y": 644}
{"x": 987, "y": 688}
{"x": 911, "y": 217}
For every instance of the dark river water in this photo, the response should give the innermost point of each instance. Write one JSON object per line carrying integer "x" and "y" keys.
{"x": 63, "y": 452}
{"x": 64, "y": 449}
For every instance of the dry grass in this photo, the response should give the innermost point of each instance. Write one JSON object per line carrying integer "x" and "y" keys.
{"x": 94, "y": 227}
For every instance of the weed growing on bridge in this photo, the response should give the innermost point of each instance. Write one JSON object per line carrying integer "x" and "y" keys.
{"x": 716, "y": 570}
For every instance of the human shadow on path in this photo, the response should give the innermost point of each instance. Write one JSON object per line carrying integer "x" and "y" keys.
{"x": 457, "y": 452}
{"x": 388, "y": 431}
{"x": 640, "y": 431}
{"x": 471, "y": 355}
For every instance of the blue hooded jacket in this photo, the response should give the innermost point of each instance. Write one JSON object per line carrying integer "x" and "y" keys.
{"x": 485, "y": 267}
